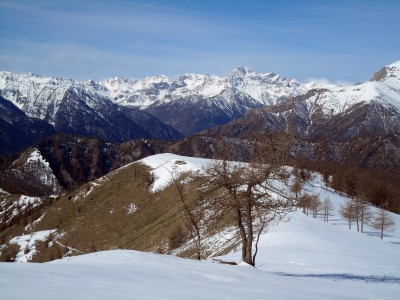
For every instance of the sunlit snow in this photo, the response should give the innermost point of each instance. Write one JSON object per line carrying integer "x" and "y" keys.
{"x": 304, "y": 258}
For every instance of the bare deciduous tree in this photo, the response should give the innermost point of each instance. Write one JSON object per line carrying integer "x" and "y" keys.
{"x": 347, "y": 212}
{"x": 365, "y": 213}
{"x": 296, "y": 187}
{"x": 247, "y": 193}
{"x": 382, "y": 221}
{"x": 192, "y": 209}
{"x": 305, "y": 202}
{"x": 253, "y": 194}
{"x": 327, "y": 207}
{"x": 315, "y": 205}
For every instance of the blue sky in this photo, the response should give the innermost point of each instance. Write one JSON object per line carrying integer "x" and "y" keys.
{"x": 337, "y": 40}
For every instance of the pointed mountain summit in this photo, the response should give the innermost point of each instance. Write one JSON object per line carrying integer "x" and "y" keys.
{"x": 389, "y": 71}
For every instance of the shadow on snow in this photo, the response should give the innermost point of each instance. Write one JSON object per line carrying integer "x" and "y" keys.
{"x": 344, "y": 276}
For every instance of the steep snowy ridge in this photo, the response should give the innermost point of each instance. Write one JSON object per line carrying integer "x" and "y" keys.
{"x": 384, "y": 89}
{"x": 40, "y": 97}
{"x": 80, "y": 107}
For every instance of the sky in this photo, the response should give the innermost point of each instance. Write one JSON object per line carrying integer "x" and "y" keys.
{"x": 95, "y": 39}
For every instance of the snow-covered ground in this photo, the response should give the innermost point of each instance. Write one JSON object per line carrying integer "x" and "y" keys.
{"x": 304, "y": 258}
{"x": 165, "y": 167}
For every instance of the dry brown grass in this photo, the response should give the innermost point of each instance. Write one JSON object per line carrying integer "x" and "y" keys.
{"x": 101, "y": 216}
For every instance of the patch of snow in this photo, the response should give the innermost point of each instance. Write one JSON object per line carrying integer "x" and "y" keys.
{"x": 36, "y": 156}
{"x": 30, "y": 226}
{"x": 165, "y": 167}
{"x": 27, "y": 244}
{"x": 4, "y": 192}
{"x": 131, "y": 209}
{"x": 84, "y": 192}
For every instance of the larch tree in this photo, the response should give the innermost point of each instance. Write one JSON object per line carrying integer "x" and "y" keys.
{"x": 296, "y": 187}
{"x": 304, "y": 202}
{"x": 347, "y": 211}
{"x": 365, "y": 214}
{"x": 252, "y": 195}
{"x": 328, "y": 208}
{"x": 382, "y": 221}
{"x": 315, "y": 205}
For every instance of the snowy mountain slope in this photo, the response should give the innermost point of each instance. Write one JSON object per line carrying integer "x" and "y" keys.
{"x": 41, "y": 97}
{"x": 162, "y": 166}
{"x": 343, "y": 123}
{"x": 384, "y": 88}
{"x": 302, "y": 259}
{"x": 208, "y": 100}
{"x": 190, "y": 103}
{"x": 81, "y": 108}
{"x": 194, "y": 102}
{"x": 37, "y": 169}
{"x": 265, "y": 88}
{"x": 30, "y": 174}
{"x": 17, "y": 130}
{"x": 125, "y": 274}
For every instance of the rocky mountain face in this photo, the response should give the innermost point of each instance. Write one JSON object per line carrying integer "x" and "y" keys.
{"x": 17, "y": 130}
{"x": 117, "y": 109}
{"x": 71, "y": 161}
{"x": 80, "y": 108}
{"x": 355, "y": 124}
{"x": 194, "y": 102}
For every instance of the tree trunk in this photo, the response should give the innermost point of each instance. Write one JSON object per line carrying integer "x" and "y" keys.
{"x": 362, "y": 219}
{"x": 256, "y": 244}
{"x": 249, "y": 244}
{"x": 242, "y": 235}
{"x": 358, "y": 226}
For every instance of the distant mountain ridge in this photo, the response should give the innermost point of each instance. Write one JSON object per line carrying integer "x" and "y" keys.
{"x": 78, "y": 108}
{"x": 118, "y": 110}
{"x": 357, "y": 124}
{"x": 189, "y": 104}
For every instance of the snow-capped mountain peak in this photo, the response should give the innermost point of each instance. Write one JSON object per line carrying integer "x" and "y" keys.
{"x": 240, "y": 71}
{"x": 213, "y": 100}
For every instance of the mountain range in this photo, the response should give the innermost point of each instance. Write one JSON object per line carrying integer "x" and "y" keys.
{"x": 102, "y": 126}
{"x": 119, "y": 109}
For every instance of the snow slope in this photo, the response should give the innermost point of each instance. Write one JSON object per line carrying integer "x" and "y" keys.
{"x": 304, "y": 258}
{"x": 165, "y": 167}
